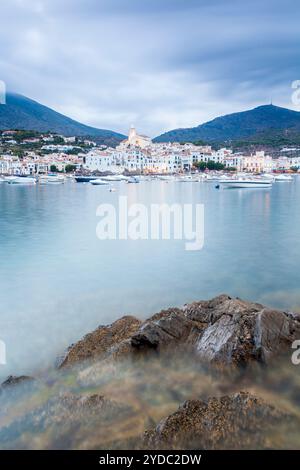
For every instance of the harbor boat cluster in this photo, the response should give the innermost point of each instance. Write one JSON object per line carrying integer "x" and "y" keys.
{"x": 32, "y": 180}
{"x": 222, "y": 179}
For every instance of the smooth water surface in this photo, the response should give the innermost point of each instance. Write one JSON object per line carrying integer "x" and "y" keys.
{"x": 58, "y": 281}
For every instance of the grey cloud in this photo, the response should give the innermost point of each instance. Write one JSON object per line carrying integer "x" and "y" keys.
{"x": 158, "y": 63}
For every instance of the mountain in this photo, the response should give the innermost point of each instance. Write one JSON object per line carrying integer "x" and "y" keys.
{"x": 25, "y": 114}
{"x": 259, "y": 124}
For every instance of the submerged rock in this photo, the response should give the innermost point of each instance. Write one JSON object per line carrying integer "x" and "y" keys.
{"x": 13, "y": 381}
{"x": 239, "y": 421}
{"x": 66, "y": 421}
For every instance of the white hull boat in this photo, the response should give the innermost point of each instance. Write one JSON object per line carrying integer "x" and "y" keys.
{"x": 283, "y": 178}
{"x": 52, "y": 179}
{"x": 187, "y": 179}
{"x": 99, "y": 182}
{"x": 20, "y": 180}
{"x": 115, "y": 178}
{"x": 166, "y": 178}
{"x": 133, "y": 180}
{"x": 245, "y": 183}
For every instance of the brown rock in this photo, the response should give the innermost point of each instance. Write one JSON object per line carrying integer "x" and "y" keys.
{"x": 97, "y": 344}
{"x": 238, "y": 421}
{"x": 170, "y": 327}
{"x": 274, "y": 332}
{"x": 220, "y": 331}
{"x": 240, "y": 332}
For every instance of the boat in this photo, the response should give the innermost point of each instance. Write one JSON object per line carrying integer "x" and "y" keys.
{"x": 134, "y": 179}
{"x": 187, "y": 179}
{"x": 85, "y": 179}
{"x": 212, "y": 177}
{"x": 268, "y": 177}
{"x": 51, "y": 179}
{"x": 8, "y": 179}
{"x": 115, "y": 178}
{"x": 283, "y": 178}
{"x": 165, "y": 178}
{"x": 98, "y": 182}
{"x": 20, "y": 180}
{"x": 245, "y": 183}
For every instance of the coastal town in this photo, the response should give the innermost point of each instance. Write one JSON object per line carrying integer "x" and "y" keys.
{"x": 28, "y": 153}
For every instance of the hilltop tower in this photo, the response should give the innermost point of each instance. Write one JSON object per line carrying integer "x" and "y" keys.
{"x": 135, "y": 139}
{"x": 132, "y": 135}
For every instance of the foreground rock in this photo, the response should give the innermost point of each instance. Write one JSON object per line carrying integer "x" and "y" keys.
{"x": 98, "y": 343}
{"x": 67, "y": 421}
{"x": 239, "y": 421}
{"x": 222, "y": 331}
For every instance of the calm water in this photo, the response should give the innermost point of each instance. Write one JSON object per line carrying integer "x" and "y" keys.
{"x": 58, "y": 281}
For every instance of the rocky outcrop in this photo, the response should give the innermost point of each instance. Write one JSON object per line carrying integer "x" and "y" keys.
{"x": 223, "y": 330}
{"x": 239, "y": 332}
{"x": 165, "y": 329}
{"x": 239, "y": 421}
{"x": 220, "y": 331}
{"x": 98, "y": 344}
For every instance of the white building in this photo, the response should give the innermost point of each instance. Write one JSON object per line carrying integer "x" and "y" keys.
{"x": 234, "y": 161}
{"x": 286, "y": 163}
{"x": 258, "y": 163}
{"x": 4, "y": 166}
{"x": 98, "y": 161}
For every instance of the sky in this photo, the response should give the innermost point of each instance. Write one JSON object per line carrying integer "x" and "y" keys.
{"x": 158, "y": 64}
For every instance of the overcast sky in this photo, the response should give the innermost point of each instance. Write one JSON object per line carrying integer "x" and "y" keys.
{"x": 160, "y": 64}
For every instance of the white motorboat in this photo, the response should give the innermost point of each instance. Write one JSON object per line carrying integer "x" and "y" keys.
{"x": 245, "y": 183}
{"x": 212, "y": 177}
{"x": 20, "y": 180}
{"x": 99, "y": 182}
{"x": 134, "y": 179}
{"x": 187, "y": 179}
{"x": 268, "y": 177}
{"x": 166, "y": 178}
{"x": 283, "y": 178}
{"x": 51, "y": 179}
{"x": 8, "y": 179}
{"x": 115, "y": 178}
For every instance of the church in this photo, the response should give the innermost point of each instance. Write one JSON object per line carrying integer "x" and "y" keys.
{"x": 135, "y": 139}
